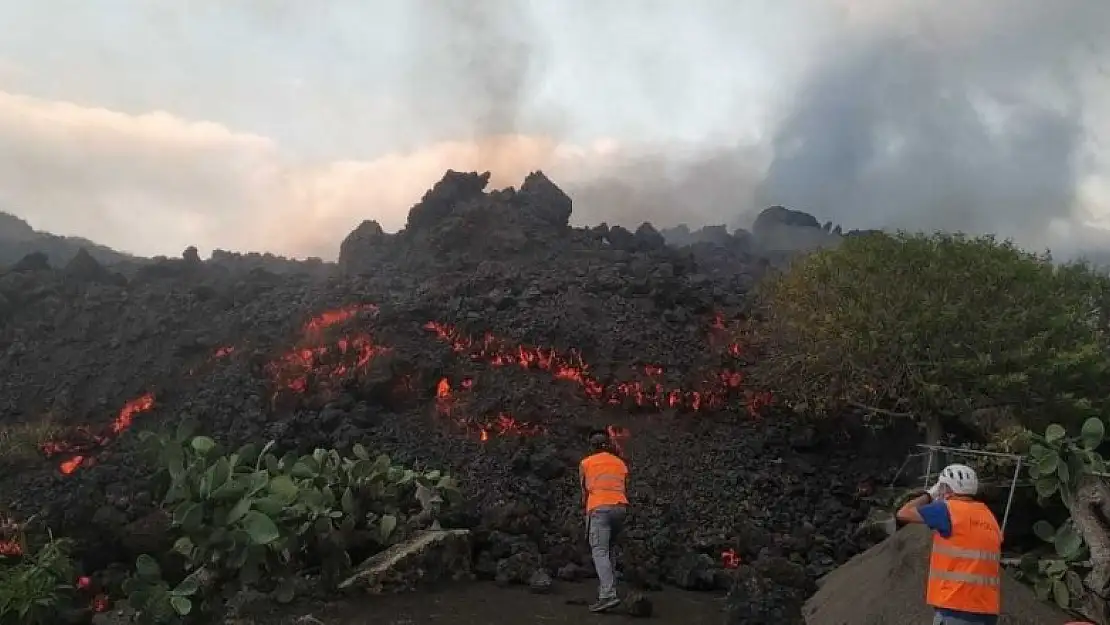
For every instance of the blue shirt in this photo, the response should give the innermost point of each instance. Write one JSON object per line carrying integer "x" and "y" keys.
{"x": 938, "y": 519}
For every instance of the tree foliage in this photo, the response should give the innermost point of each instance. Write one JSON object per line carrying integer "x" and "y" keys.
{"x": 936, "y": 326}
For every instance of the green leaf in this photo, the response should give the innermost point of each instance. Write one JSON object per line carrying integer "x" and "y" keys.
{"x": 218, "y": 473}
{"x": 1092, "y": 434}
{"x": 1044, "y": 531}
{"x": 1046, "y": 487}
{"x": 360, "y": 452}
{"x": 147, "y": 568}
{"x": 184, "y": 546}
{"x": 174, "y": 459}
{"x": 347, "y": 502}
{"x": 239, "y": 510}
{"x": 381, "y": 464}
{"x": 387, "y": 525}
{"x": 284, "y": 488}
{"x": 189, "y": 516}
{"x": 1055, "y": 433}
{"x": 270, "y": 506}
{"x": 190, "y": 585}
{"x": 203, "y": 445}
{"x": 261, "y": 528}
{"x": 181, "y": 605}
{"x": 1037, "y": 450}
{"x": 1060, "y": 594}
{"x": 1048, "y": 463}
{"x": 1068, "y": 542}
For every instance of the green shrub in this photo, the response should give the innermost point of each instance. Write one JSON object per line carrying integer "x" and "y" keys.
{"x": 36, "y": 588}
{"x": 254, "y": 518}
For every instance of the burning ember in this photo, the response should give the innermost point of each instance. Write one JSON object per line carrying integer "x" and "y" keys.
{"x": 10, "y": 548}
{"x": 501, "y": 424}
{"x": 650, "y": 393}
{"x": 223, "y": 352}
{"x": 325, "y": 361}
{"x": 730, "y": 559}
{"x": 80, "y": 440}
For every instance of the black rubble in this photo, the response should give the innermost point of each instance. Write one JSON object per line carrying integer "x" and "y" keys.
{"x": 586, "y": 327}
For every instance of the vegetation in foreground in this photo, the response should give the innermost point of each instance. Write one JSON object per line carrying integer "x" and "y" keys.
{"x": 965, "y": 334}
{"x": 248, "y": 519}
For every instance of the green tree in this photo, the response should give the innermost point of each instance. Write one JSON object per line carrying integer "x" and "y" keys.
{"x": 936, "y": 327}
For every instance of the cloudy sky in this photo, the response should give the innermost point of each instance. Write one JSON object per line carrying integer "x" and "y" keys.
{"x": 280, "y": 124}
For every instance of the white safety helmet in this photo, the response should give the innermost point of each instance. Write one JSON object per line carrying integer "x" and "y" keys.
{"x": 960, "y": 478}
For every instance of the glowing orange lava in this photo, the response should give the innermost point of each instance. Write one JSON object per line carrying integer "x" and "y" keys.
{"x": 325, "y": 361}
{"x": 650, "y": 393}
{"x": 501, "y": 424}
{"x": 730, "y": 559}
{"x": 77, "y": 442}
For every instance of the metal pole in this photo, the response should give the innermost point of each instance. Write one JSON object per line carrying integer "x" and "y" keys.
{"x": 929, "y": 467}
{"x": 1010, "y": 499}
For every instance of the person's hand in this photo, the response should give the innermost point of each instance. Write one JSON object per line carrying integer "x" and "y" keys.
{"x": 934, "y": 492}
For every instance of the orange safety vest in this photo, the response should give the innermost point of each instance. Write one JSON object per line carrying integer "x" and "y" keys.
{"x": 604, "y": 475}
{"x": 965, "y": 571}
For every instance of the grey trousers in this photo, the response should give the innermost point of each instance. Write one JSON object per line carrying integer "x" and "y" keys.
{"x": 605, "y": 523}
{"x": 942, "y": 619}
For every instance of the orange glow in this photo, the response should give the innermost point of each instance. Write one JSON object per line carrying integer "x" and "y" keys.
{"x": 224, "y": 351}
{"x": 100, "y": 603}
{"x": 730, "y": 559}
{"x": 78, "y": 441}
{"x": 650, "y": 393}
{"x": 501, "y": 424}
{"x": 10, "y": 548}
{"x": 321, "y": 360}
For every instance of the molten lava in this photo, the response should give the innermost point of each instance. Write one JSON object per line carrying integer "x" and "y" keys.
{"x": 10, "y": 548}
{"x": 79, "y": 441}
{"x": 650, "y": 393}
{"x": 501, "y": 424}
{"x": 316, "y": 358}
{"x": 730, "y": 559}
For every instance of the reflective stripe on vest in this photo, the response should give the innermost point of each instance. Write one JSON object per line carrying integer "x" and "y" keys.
{"x": 965, "y": 571}
{"x": 604, "y": 476}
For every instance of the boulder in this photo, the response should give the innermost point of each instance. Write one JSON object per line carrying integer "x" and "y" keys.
{"x": 430, "y": 556}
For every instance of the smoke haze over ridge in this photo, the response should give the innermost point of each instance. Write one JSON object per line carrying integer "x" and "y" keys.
{"x": 279, "y": 126}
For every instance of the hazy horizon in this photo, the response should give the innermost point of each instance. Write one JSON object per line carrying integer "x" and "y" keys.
{"x": 272, "y": 125}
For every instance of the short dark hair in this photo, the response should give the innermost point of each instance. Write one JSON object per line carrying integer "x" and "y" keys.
{"x": 600, "y": 440}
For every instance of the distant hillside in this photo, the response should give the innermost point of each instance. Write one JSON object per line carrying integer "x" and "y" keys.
{"x": 18, "y": 238}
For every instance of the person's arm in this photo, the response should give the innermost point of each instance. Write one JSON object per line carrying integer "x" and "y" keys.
{"x": 909, "y": 513}
{"x": 582, "y": 486}
{"x": 932, "y": 514}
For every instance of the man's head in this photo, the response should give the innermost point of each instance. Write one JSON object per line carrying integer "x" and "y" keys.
{"x": 958, "y": 479}
{"x": 599, "y": 441}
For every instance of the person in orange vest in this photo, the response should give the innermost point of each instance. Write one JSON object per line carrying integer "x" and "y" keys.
{"x": 603, "y": 476}
{"x": 965, "y": 567}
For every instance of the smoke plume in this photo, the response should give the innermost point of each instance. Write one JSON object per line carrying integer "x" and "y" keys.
{"x": 922, "y": 114}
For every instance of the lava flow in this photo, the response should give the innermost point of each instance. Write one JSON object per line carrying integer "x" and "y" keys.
{"x": 501, "y": 424}
{"x": 730, "y": 559}
{"x": 79, "y": 442}
{"x": 651, "y": 393}
{"x": 10, "y": 548}
{"x": 325, "y": 361}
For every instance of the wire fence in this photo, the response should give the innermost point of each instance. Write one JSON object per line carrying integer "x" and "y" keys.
{"x": 935, "y": 457}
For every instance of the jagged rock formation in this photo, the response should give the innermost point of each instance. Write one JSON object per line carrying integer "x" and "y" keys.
{"x": 487, "y": 336}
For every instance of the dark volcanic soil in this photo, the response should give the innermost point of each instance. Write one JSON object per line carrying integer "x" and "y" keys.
{"x": 488, "y": 604}
{"x": 539, "y": 331}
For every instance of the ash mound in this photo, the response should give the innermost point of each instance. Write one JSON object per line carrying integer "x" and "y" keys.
{"x": 488, "y": 336}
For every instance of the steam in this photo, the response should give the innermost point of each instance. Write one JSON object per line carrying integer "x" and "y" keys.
{"x": 917, "y": 114}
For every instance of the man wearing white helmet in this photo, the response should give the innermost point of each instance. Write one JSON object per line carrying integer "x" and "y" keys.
{"x": 965, "y": 574}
